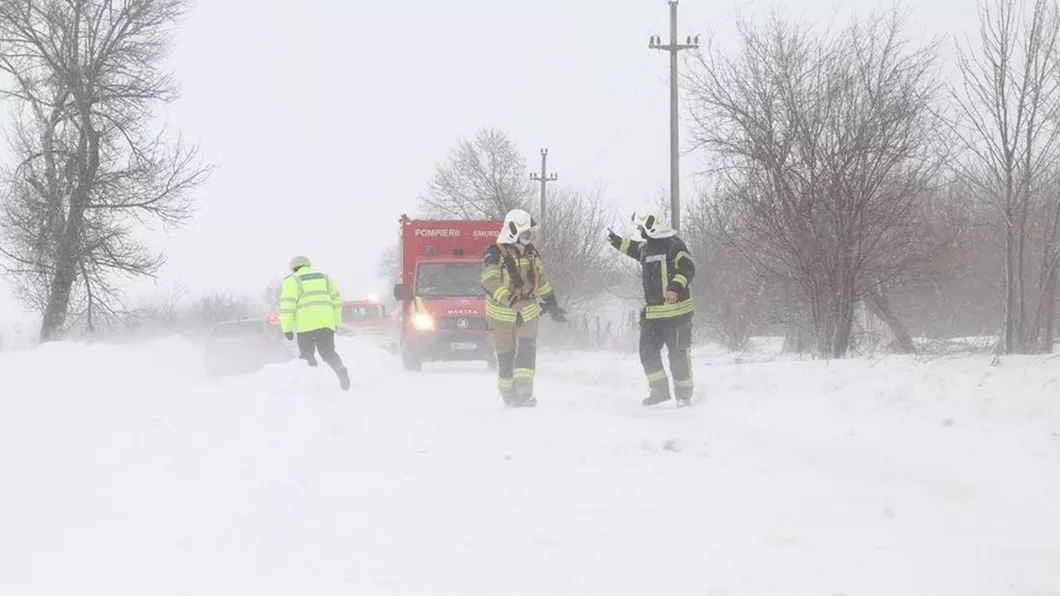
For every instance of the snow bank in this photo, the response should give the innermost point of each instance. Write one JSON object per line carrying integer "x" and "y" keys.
{"x": 127, "y": 472}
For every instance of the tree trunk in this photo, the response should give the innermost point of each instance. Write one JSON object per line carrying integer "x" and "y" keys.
{"x": 1049, "y": 299}
{"x": 880, "y": 306}
{"x": 69, "y": 251}
{"x": 794, "y": 340}
{"x": 1011, "y": 338}
{"x": 62, "y": 283}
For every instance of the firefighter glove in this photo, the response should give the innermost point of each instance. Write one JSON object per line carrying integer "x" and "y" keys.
{"x": 558, "y": 314}
{"x": 612, "y": 237}
{"x": 289, "y": 336}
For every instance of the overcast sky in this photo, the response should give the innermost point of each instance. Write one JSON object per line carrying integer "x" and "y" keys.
{"x": 327, "y": 117}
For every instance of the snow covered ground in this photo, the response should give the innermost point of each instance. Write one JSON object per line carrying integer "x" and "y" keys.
{"x": 123, "y": 472}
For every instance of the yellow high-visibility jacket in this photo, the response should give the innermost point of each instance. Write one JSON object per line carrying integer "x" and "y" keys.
{"x": 309, "y": 301}
{"x": 512, "y": 274}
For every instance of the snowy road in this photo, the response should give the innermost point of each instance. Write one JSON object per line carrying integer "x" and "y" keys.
{"x": 132, "y": 475}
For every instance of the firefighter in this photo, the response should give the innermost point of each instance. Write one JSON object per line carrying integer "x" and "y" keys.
{"x": 517, "y": 294}
{"x": 310, "y": 305}
{"x": 666, "y": 319}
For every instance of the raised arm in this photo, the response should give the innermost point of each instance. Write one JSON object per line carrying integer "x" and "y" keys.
{"x": 627, "y": 246}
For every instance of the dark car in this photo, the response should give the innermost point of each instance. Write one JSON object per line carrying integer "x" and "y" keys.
{"x": 245, "y": 346}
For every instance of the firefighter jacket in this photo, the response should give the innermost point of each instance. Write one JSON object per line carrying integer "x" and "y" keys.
{"x": 309, "y": 301}
{"x": 513, "y": 274}
{"x": 666, "y": 266}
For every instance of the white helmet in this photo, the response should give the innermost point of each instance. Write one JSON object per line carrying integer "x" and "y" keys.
{"x": 299, "y": 261}
{"x": 651, "y": 225}
{"x": 516, "y": 223}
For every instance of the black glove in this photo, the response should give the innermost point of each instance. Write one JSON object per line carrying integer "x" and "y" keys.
{"x": 612, "y": 237}
{"x": 551, "y": 307}
{"x": 558, "y": 314}
{"x": 289, "y": 336}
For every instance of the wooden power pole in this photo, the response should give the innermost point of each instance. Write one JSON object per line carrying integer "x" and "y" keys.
{"x": 544, "y": 178}
{"x": 673, "y": 48}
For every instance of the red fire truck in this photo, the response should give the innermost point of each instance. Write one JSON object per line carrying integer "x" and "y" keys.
{"x": 443, "y": 308}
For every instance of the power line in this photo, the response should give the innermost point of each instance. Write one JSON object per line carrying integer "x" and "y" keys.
{"x": 674, "y": 48}
{"x": 544, "y": 179}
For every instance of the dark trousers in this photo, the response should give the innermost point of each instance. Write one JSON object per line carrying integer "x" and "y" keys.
{"x": 676, "y": 336}
{"x": 322, "y": 341}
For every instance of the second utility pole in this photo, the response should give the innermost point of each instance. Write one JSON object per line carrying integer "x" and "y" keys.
{"x": 544, "y": 178}
{"x": 673, "y": 47}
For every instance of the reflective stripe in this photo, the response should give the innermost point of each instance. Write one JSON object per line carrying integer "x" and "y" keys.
{"x": 681, "y": 279}
{"x": 507, "y": 315}
{"x": 659, "y": 375}
{"x": 682, "y": 255}
{"x": 505, "y": 384}
{"x": 665, "y": 277}
{"x": 524, "y": 373}
{"x": 501, "y": 293}
{"x": 666, "y": 311}
{"x": 623, "y": 247}
{"x": 305, "y": 305}
{"x": 684, "y": 383}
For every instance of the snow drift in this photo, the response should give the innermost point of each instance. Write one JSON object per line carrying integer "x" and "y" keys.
{"x": 125, "y": 471}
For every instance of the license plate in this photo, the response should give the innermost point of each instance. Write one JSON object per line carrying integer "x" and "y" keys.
{"x": 463, "y": 346}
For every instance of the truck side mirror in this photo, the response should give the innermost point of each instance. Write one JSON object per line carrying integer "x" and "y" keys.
{"x": 399, "y": 292}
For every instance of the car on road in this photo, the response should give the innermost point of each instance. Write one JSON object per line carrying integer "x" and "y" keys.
{"x": 245, "y": 346}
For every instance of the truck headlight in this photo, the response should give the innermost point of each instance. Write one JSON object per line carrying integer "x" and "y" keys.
{"x": 423, "y": 322}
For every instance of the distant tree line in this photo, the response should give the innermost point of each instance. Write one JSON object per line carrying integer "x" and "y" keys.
{"x": 847, "y": 180}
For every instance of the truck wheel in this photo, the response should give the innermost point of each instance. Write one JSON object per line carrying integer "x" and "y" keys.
{"x": 410, "y": 361}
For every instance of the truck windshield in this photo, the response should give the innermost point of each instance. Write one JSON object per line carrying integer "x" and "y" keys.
{"x": 444, "y": 280}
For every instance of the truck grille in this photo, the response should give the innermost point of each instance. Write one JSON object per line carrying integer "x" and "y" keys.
{"x": 462, "y": 323}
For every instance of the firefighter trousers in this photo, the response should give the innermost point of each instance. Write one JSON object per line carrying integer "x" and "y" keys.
{"x": 676, "y": 336}
{"x": 516, "y": 349}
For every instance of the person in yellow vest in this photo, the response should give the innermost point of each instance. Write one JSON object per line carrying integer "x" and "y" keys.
{"x": 517, "y": 294}
{"x": 311, "y": 307}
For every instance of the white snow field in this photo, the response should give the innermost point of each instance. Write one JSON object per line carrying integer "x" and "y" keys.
{"x": 125, "y": 472}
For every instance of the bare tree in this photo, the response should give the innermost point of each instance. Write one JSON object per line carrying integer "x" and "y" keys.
{"x": 270, "y": 296}
{"x": 217, "y": 308}
{"x": 85, "y": 76}
{"x": 579, "y": 263}
{"x": 1007, "y": 110}
{"x": 727, "y": 287}
{"x": 389, "y": 266}
{"x": 826, "y": 148}
{"x": 482, "y": 178}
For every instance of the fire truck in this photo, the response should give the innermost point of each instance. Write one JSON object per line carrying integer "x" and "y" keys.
{"x": 443, "y": 308}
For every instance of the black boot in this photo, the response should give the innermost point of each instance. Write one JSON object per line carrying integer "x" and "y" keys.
{"x": 657, "y": 397}
{"x": 523, "y": 401}
{"x": 344, "y": 378}
{"x": 684, "y": 397}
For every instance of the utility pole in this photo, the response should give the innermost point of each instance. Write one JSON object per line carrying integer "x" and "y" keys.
{"x": 544, "y": 178}
{"x": 655, "y": 43}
